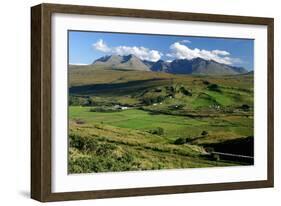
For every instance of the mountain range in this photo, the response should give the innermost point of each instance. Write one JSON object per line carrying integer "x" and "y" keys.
{"x": 177, "y": 66}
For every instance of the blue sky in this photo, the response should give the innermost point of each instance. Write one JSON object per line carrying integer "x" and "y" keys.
{"x": 85, "y": 47}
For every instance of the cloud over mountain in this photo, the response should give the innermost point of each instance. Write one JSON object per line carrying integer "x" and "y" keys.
{"x": 178, "y": 50}
{"x": 141, "y": 52}
{"x": 181, "y": 51}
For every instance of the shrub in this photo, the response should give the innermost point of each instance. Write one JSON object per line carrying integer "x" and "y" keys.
{"x": 76, "y": 141}
{"x": 90, "y": 144}
{"x": 80, "y": 164}
{"x": 189, "y": 139}
{"x": 209, "y": 149}
{"x": 103, "y": 109}
{"x": 127, "y": 158}
{"x": 157, "y": 131}
{"x": 204, "y": 133}
{"x": 79, "y": 101}
{"x": 245, "y": 107}
{"x": 160, "y": 99}
{"x": 216, "y": 157}
{"x": 83, "y": 143}
{"x": 176, "y": 106}
{"x": 153, "y": 99}
{"x": 185, "y": 91}
{"x": 105, "y": 149}
{"x": 214, "y": 87}
{"x": 180, "y": 141}
{"x": 206, "y": 82}
{"x": 80, "y": 121}
{"x": 147, "y": 101}
{"x": 158, "y": 89}
{"x": 171, "y": 91}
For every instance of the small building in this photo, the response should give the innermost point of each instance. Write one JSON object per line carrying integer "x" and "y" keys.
{"x": 117, "y": 106}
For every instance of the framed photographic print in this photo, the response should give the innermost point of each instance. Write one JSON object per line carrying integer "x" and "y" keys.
{"x": 132, "y": 102}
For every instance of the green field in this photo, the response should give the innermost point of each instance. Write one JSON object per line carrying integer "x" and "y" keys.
{"x": 136, "y": 120}
{"x": 174, "y": 126}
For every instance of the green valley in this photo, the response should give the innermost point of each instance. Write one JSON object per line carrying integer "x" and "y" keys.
{"x": 127, "y": 120}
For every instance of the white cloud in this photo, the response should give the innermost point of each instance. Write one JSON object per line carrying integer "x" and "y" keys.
{"x": 170, "y": 55}
{"x": 101, "y": 46}
{"x": 220, "y": 52}
{"x": 185, "y": 41}
{"x": 141, "y": 52}
{"x": 237, "y": 61}
{"x": 180, "y": 51}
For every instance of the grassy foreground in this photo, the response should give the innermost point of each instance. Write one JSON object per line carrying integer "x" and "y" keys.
{"x": 98, "y": 147}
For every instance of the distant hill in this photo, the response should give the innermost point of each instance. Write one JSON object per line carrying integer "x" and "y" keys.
{"x": 197, "y": 66}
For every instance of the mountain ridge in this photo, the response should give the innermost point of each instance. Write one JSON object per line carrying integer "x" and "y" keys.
{"x": 198, "y": 66}
{"x": 127, "y": 62}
